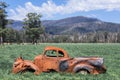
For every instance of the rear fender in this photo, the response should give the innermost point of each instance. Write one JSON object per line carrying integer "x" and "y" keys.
{"x": 24, "y": 66}
{"x": 35, "y": 68}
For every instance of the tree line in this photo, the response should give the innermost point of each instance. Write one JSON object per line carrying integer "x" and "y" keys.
{"x": 34, "y": 32}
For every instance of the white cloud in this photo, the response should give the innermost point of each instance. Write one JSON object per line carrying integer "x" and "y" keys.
{"x": 49, "y": 9}
{"x": 92, "y": 15}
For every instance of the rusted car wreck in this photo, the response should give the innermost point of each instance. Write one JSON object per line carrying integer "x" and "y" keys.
{"x": 57, "y": 59}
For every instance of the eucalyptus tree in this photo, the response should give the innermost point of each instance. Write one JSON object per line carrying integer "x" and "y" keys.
{"x": 33, "y": 27}
{"x": 3, "y": 21}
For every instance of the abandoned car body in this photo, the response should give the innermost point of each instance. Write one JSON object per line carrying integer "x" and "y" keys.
{"x": 57, "y": 59}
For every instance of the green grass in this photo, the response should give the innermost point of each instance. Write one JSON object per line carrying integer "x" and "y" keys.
{"x": 110, "y": 53}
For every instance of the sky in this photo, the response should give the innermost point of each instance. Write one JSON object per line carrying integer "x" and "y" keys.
{"x": 105, "y": 10}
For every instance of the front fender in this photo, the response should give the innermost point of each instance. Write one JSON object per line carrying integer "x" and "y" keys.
{"x": 79, "y": 67}
{"x": 63, "y": 65}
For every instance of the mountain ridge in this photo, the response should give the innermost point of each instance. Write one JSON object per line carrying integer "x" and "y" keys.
{"x": 77, "y": 24}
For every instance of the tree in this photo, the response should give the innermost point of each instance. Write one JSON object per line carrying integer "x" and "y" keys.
{"x": 10, "y": 35}
{"x": 3, "y": 21}
{"x": 106, "y": 36}
{"x": 21, "y": 37}
{"x": 33, "y": 27}
{"x": 118, "y": 37}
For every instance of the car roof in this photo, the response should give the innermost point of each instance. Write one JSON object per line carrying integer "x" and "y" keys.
{"x": 56, "y": 48}
{"x": 52, "y": 48}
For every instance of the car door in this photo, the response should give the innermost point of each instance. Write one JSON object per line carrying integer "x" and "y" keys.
{"x": 50, "y": 60}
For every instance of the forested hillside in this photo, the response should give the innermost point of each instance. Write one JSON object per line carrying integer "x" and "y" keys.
{"x": 72, "y": 29}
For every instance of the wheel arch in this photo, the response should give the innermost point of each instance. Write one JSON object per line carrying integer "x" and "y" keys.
{"x": 79, "y": 67}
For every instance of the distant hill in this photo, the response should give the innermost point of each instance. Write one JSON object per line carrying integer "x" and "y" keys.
{"x": 78, "y": 24}
{"x": 17, "y": 25}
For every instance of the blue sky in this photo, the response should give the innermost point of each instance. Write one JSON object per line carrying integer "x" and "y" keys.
{"x": 106, "y": 10}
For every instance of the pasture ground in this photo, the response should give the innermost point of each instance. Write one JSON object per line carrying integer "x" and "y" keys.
{"x": 110, "y": 53}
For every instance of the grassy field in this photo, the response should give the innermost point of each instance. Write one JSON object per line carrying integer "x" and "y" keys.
{"x": 110, "y": 53}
